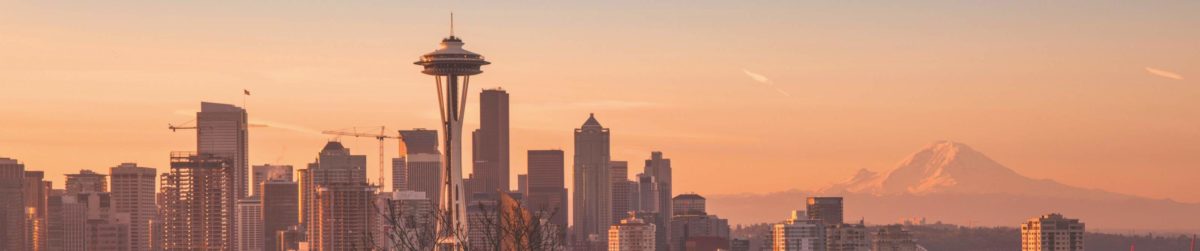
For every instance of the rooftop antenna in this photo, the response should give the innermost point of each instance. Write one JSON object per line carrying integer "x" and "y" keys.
{"x": 451, "y": 24}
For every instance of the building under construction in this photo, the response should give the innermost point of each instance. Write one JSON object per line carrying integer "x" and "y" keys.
{"x": 197, "y": 203}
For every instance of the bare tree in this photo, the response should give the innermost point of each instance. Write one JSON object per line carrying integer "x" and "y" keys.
{"x": 509, "y": 225}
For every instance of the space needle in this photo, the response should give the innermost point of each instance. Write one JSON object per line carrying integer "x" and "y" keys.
{"x": 450, "y": 64}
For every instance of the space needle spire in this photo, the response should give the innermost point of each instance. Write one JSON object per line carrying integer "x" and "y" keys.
{"x": 451, "y": 65}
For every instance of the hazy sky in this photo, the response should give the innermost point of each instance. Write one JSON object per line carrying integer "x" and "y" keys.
{"x": 743, "y": 96}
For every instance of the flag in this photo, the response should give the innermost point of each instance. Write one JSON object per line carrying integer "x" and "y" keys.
{"x": 246, "y": 91}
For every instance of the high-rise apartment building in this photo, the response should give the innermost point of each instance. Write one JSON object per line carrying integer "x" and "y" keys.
{"x": 196, "y": 203}
{"x": 86, "y": 181}
{"x": 1052, "y": 232}
{"x": 826, "y": 209}
{"x": 592, "y": 201}
{"x": 798, "y": 234}
{"x": 547, "y": 192}
{"x": 631, "y": 234}
{"x": 490, "y": 143}
{"x": 133, "y": 192}
{"x": 12, "y": 211}
{"x": 403, "y": 216}
{"x": 344, "y": 217}
{"x": 250, "y": 224}
{"x": 262, "y": 173}
{"x": 893, "y": 238}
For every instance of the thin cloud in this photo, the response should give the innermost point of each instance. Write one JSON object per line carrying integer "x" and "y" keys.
{"x": 766, "y": 81}
{"x": 1163, "y": 73}
{"x": 260, "y": 123}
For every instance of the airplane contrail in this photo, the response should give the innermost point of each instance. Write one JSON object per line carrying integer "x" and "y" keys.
{"x": 1163, "y": 73}
{"x": 766, "y": 81}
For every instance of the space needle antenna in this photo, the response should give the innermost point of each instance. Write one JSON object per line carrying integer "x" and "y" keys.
{"x": 451, "y": 23}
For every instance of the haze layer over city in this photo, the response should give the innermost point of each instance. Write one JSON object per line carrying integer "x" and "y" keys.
{"x": 755, "y": 105}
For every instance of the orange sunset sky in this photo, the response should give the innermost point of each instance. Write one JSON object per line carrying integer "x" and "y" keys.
{"x": 743, "y": 96}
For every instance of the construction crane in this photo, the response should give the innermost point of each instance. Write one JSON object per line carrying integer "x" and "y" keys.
{"x": 381, "y": 136}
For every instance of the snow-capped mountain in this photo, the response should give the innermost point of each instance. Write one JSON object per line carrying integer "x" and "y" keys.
{"x": 952, "y": 182}
{"x": 947, "y": 167}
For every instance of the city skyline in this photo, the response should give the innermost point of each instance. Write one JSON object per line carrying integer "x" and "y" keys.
{"x": 1104, "y": 108}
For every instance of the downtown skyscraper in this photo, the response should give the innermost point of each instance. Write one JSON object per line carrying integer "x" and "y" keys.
{"x": 12, "y": 211}
{"x": 655, "y": 193}
{"x": 547, "y": 192}
{"x": 335, "y": 165}
{"x": 490, "y": 143}
{"x": 421, "y": 167}
{"x": 592, "y": 197}
{"x": 133, "y": 192}
{"x": 221, "y": 131}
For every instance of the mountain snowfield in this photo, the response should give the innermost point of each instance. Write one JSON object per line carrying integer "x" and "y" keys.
{"x": 951, "y": 182}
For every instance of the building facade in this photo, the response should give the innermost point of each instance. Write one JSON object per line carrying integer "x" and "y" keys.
{"x": 12, "y": 212}
{"x": 344, "y": 217}
{"x": 262, "y": 173}
{"x": 196, "y": 203}
{"x": 491, "y": 143}
{"x": 798, "y": 234}
{"x": 1052, "y": 232}
{"x": 893, "y": 238}
{"x": 133, "y": 191}
{"x": 250, "y": 224}
{"x": 631, "y": 234}
{"x": 592, "y": 202}
{"x": 281, "y": 201}
{"x": 547, "y": 193}
{"x": 826, "y": 209}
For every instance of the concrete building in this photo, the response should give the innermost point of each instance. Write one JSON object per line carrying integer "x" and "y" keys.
{"x": 490, "y": 143}
{"x": 400, "y": 173}
{"x": 12, "y": 212}
{"x": 424, "y": 172}
{"x": 404, "y": 215}
{"x": 688, "y": 204}
{"x": 619, "y": 182}
{"x": 86, "y": 181}
{"x": 691, "y": 223}
{"x": 826, "y": 209}
{"x": 592, "y": 201}
{"x": 847, "y": 237}
{"x": 35, "y": 191}
{"x": 523, "y": 184}
{"x": 250, "y": 224}
{"x": 420, "y": 140}
{"x": 196, "y": 205}
{"x": 631, "y": 234}
{"x": 1052, "y": 232}
{"x": 655, "y": 193}
{"x": 335, "y": 165}
{"x": 133, "y": 192}
{"x": 262, "y": 173}
{"x": 221, "y": 131}
{"x": 281, "y": 202}
{"x": 344, "y": 217}
{"x": 798, "y": 233}
{"x": 547, "y": 192}
{"x": 893, "y": 238}
{"x": 739, "y": 245}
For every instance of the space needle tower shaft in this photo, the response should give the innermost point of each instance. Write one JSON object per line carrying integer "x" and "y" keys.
{"x": 451, "y": 65}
